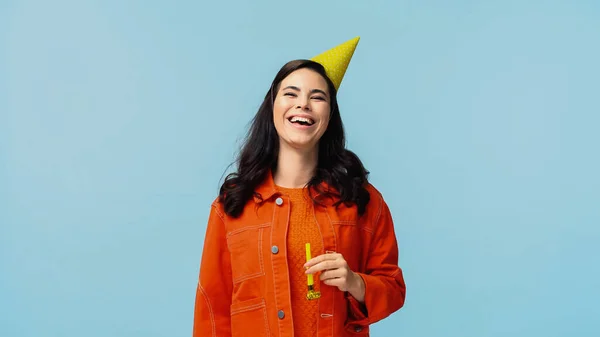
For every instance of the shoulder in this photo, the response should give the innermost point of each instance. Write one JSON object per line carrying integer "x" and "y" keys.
{"x": 376, "y": 202}
{"x": 375, "y": 196}
{"x": 249, "y": 213}
{"x": 217, "y": 207}
{"x": 373, "y": 192}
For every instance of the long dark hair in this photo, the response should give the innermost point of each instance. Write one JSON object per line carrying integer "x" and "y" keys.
{"x": 337, "y": 167}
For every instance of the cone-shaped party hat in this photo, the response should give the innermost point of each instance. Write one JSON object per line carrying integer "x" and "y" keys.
{"x": 336, "y": 60}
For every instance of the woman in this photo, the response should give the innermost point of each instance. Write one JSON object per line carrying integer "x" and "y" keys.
{"x": 296, "y": 184}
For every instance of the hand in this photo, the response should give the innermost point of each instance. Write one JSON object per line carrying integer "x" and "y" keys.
{"x": 336, "y": 272}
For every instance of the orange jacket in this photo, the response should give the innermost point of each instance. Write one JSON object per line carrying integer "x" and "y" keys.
{"x": 243, "y": 287}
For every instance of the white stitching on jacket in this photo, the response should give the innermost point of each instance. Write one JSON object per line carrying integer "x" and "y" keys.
{"x": 210, "y": 311}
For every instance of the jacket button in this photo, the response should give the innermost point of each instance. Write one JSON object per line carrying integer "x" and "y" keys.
{"x": 274, "y": 249}
{"x": 357, "y": 329}
{"x": 280, "y": 314}
{"x": 279, "y": 201}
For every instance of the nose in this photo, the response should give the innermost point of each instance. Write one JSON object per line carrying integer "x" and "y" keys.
{"x": 303, "y": 104}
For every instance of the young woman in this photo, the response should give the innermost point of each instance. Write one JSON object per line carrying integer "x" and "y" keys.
{"x": 298, "y": 194}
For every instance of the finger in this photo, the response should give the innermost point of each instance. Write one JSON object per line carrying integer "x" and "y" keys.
{"x": 334, "y": 282}
{"x": 325, "y": 265}
{"x": 321, "y": 258}
{"x": 331, "y": 274}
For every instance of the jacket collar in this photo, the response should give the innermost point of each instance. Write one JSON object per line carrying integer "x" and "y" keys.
{"x": 267, "y": 189}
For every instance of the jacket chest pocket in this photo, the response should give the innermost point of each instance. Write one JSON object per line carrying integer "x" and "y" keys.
{"x": 245, "y": 247}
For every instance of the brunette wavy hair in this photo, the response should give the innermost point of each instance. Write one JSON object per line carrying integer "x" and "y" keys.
{"x": 337, "y": 166}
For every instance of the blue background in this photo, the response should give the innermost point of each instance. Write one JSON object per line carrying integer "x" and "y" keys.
{"x": 478, "y": 120}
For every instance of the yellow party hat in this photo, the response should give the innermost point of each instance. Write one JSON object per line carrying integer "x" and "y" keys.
{"x": 336, "y": 60}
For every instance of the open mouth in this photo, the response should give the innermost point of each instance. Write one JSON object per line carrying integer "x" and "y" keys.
{"x": 301, "y": 121}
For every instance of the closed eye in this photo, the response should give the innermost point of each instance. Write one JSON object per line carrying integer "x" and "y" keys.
{"x": 291, "y": 94}
{"x": 319, "y": 98}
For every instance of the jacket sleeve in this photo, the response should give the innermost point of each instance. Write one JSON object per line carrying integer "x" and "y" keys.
{"x": 213, "y": 294}
{"x": 385, "y": 289}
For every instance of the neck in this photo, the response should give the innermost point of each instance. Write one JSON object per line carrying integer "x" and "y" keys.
{"x": 295, "y": 167}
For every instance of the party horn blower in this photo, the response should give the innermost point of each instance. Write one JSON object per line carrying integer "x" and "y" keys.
{"x": 312, "y": 294}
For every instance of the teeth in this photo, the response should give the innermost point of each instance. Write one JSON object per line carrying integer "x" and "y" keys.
{"x": 301, "y": 119}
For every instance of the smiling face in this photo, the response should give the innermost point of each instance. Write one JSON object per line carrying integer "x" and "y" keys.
{"x": 301, "y": 109}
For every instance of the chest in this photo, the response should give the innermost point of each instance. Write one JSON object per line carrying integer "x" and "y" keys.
{"x": 278, "y": 229}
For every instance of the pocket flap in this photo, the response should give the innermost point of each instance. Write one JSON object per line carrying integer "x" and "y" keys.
{"x": 247, "y": 305}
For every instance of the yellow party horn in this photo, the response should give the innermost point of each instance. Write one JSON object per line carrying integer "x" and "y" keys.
{"x": 312, "y": 294}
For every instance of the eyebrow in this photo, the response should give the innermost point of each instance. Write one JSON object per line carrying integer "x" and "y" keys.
{"x": 312, "y": 91}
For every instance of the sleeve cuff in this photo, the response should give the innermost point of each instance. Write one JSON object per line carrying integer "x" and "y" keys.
{"x": 358, "y": 313}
